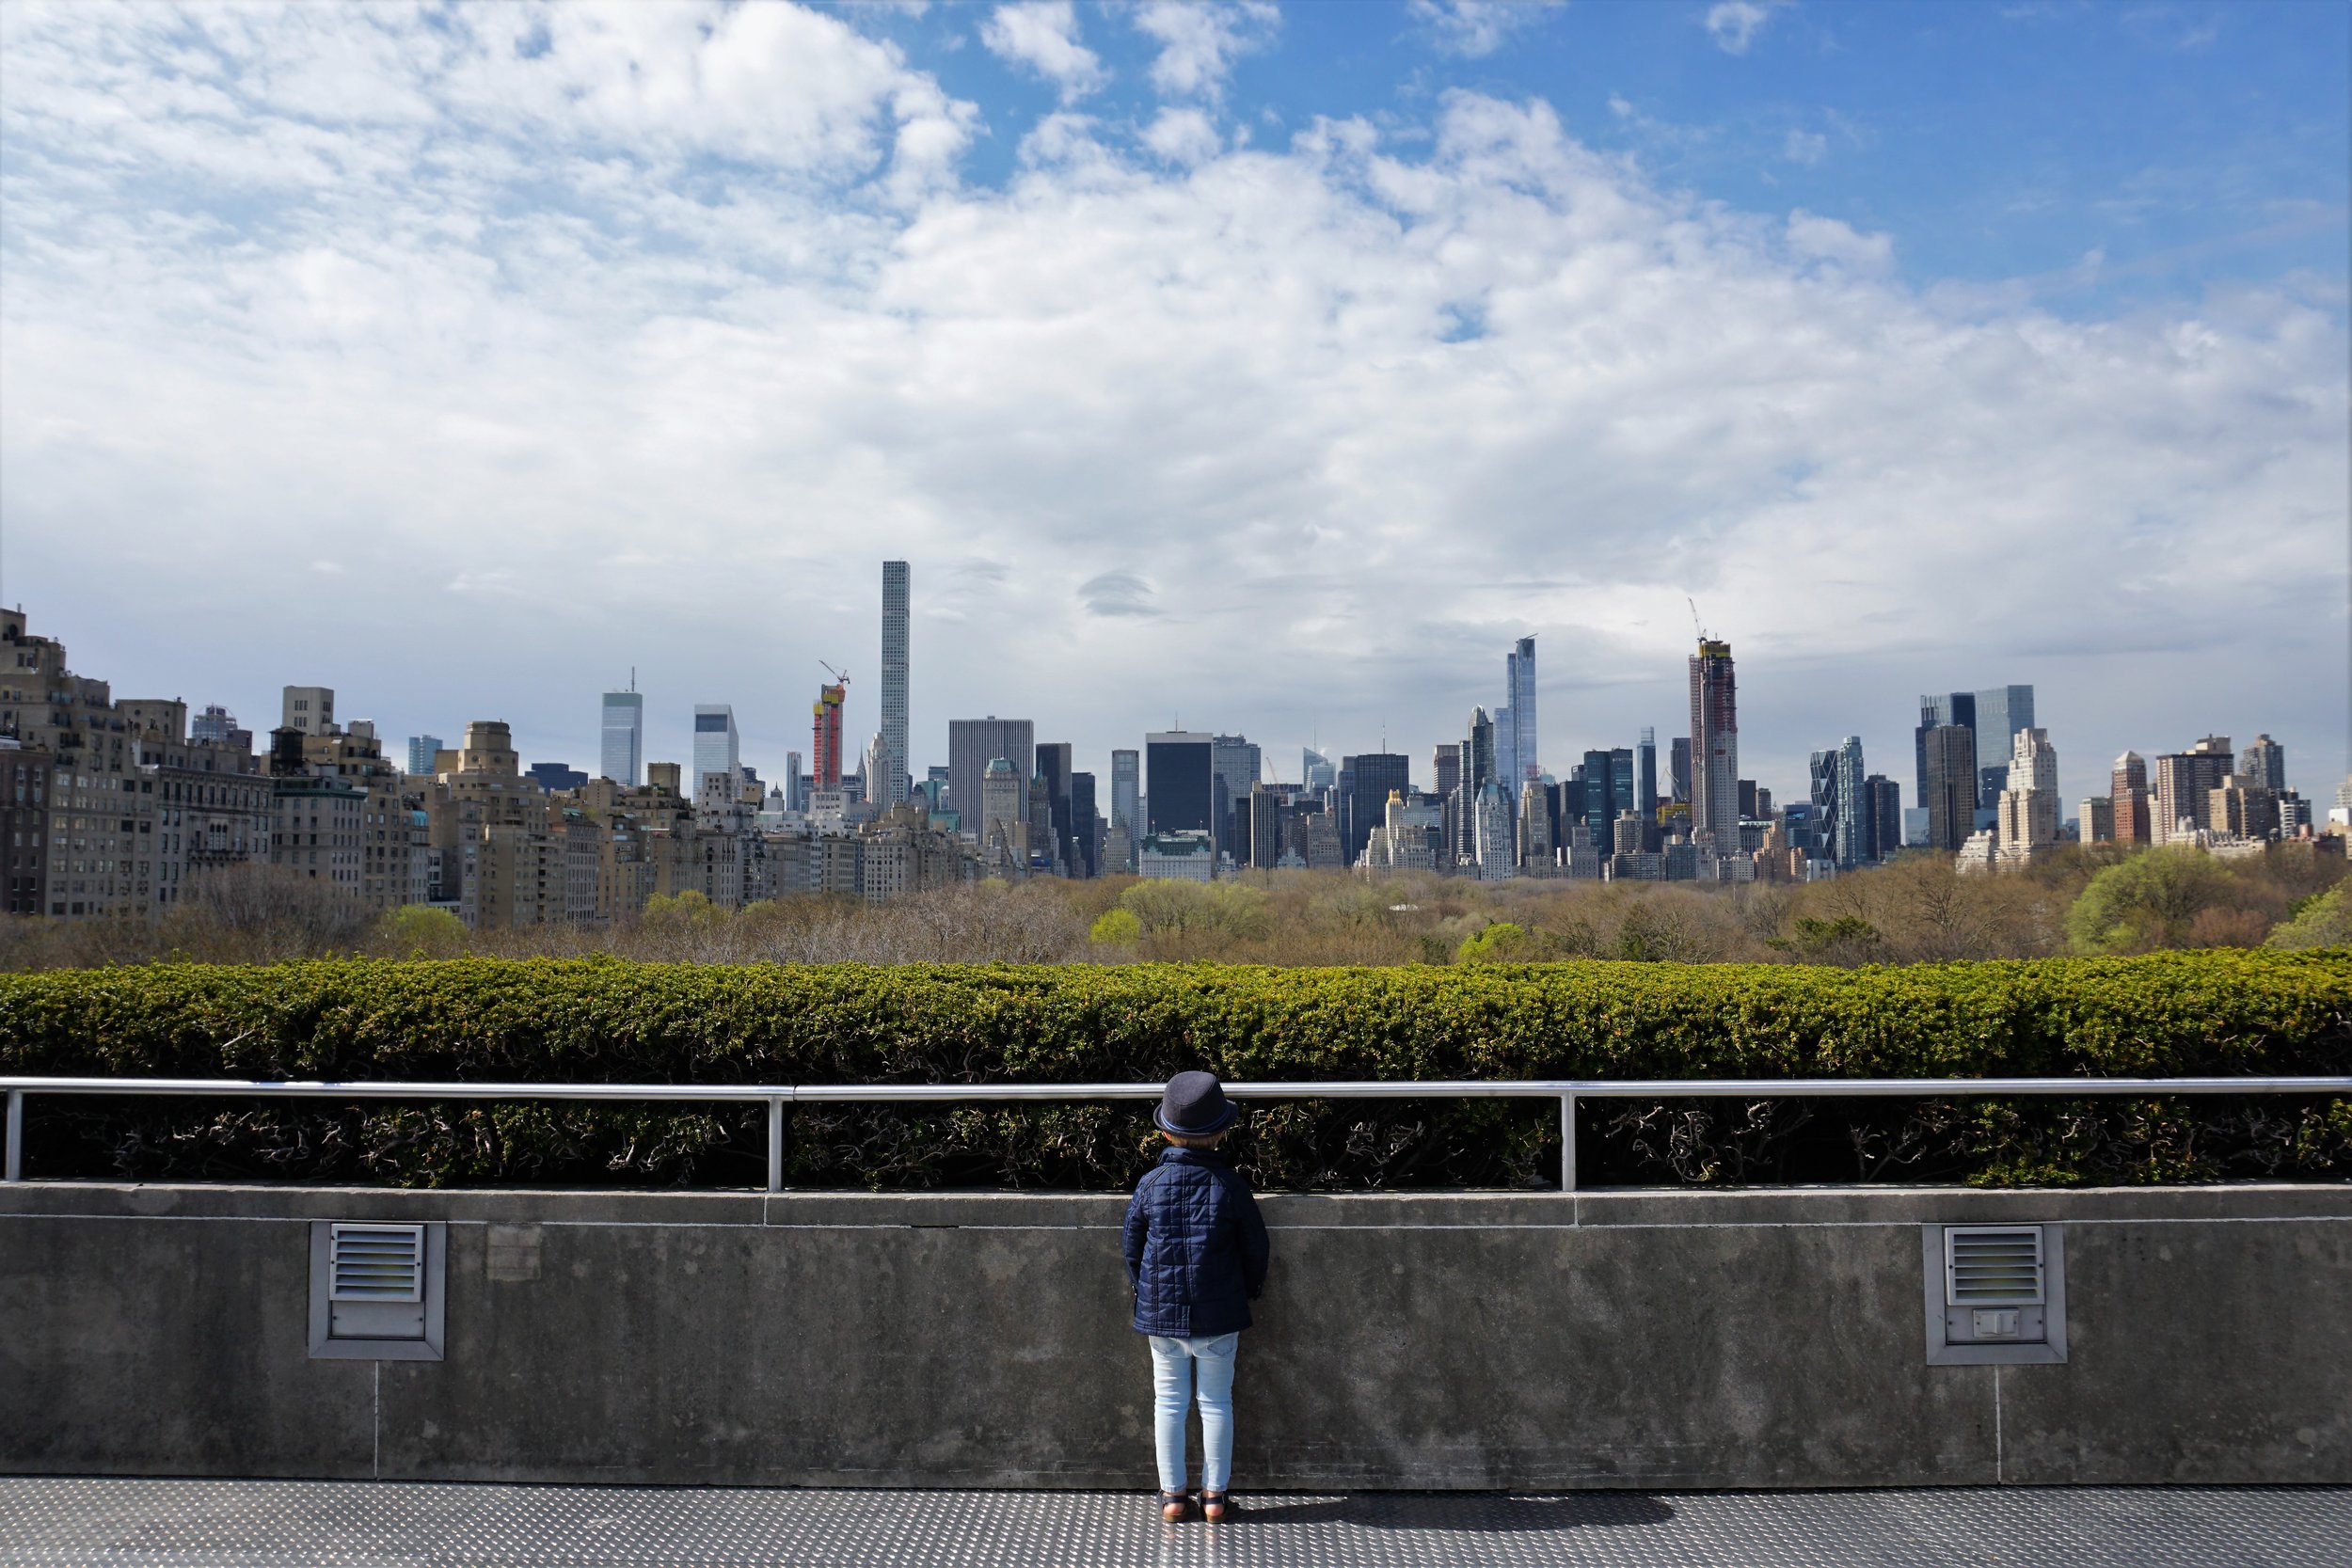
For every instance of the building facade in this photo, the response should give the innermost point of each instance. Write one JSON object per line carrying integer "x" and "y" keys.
{"x": 622, "y": 754}
{"x": 972, "y": 745}
{"x": 2129, "y": 812}
{"x": 1949, "y": 796}
{"x": 1715, "y": 748}
{"x": 896, "y": 671}
{"x": 716, "y": 747}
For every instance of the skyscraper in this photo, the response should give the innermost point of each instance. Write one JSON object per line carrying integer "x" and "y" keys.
{"x": 1233, "y": 758}
{"x": 1645, "y": 778}
{"x": 2182, "y": 785}
{"x": 1608, "y": 792}
{"x": 1520, "y": 673}
{"x": 624, "y": 753}
{"x": 972, "y": 745}
{"x": 1478, "y": 752}
{"x": 1002, "y": 824}
{"x": 1086, "y": 828}
{"x": 1315, "y": 769}
{"x": 1371, "y": 777}
{"x": 1448, "y": 767}
{"x": 795, "y": 791}
{"x": 825, "y": 733}
{"x": 716, "y": 746}
{"x": 1678, "y": 768}
{"x": 422, "y": 749}
{"x": 2028, "y": 806}
{"x": 1126, "y": 804}
{"x": 1822, "y": 796}
{"x": 1957, "y": 709}
{"x": 2263, "y": 764}
{"x": 1054, "y": 768}
{"x": 2128, "y": 797}
{"x": 1950, "y": 793}
{"x": 1887, "y": 816}
{"x": 1180, "y": 781}
{"x": 1715, "y": 748}
{"x": 1506, "y": 742}
{"x": 1477, "y": 770}
{"x": 894, "y": 664}
{"x": 1853, "y": 834}
{"x": 2002, "y": 711}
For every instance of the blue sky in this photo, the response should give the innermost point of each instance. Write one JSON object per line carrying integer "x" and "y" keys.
{"x": 1272, "y": 365}
{"x": 2184, "y": 145}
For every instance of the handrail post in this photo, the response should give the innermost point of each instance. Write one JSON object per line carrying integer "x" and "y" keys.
{"x": 1568, "y": 1143}
{"x": 775, "y": 1143}
{"x": 15, "y": 1168}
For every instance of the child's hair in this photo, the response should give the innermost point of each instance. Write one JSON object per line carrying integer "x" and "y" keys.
{"x": 1187, "y": 1140}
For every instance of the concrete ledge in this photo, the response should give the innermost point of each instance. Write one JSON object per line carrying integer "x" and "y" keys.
{"x": 1737, "y": 1338}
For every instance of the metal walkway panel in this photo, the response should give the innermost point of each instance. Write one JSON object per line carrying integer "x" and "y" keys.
{"x": 69, "y": 1523}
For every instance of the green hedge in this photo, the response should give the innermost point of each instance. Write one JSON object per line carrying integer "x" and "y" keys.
{"x": 595, "y": 1020}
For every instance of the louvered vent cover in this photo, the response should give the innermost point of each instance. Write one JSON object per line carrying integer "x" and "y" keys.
{"x": 1992, "y": 1265}
{"x": 375, "y": 1263}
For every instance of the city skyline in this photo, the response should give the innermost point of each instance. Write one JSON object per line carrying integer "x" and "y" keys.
{"x": 433, "y": 325}
{"x": 2083, "y": 775}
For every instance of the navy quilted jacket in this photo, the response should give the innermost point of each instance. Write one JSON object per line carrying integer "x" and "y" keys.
{"x": 1195, "y": 1247}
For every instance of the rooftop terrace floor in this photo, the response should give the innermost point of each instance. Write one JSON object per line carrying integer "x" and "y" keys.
{"x": 268, "y": 1524}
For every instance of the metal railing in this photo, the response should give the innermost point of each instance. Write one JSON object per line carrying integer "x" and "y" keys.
{"x": 777, "y": 1097}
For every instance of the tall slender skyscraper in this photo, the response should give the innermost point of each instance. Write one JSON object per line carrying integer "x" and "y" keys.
{"x": 1053, "y": 769}
{"x": 1678, "y": 768}
{"x": 1126, "y": 806}
{"x": 893, "y": 790}
{"x": 624, "y": 756}
{"x": 1645, "y": 778}
{"x": 1519, "y": 671}
{"x": 825, "y": 733}
{"x": 1854, "y": 830}
{"x": 1715, "y": 748}
{"x": 716, "y": 746}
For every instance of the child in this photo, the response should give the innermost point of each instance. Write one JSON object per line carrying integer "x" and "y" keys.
{"x": 1197, "y": 1257}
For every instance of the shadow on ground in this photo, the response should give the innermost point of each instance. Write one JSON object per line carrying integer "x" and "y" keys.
{"x": 1454, "y": 1510}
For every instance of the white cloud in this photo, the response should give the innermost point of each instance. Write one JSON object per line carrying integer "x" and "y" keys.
{"x": 1199, "y": 40}
{"x": 1476, "y": 28}
{"x": 1734, "y": 23}
{"x": 1823, "y": 239}
{"x": 1804, "y": 147}
{"x": 1281, "y": 437}
{"x": 1183, "y": 135}
{"x": 1042, "y": 35}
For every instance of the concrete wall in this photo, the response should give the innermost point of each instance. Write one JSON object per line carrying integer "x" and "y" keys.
{"x": 1673, "y": 1339}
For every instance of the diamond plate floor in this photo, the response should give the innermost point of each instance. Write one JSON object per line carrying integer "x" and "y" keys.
{"x": 204, "y": 1524}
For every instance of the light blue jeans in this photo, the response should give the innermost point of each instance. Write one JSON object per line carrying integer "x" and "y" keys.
{"x": 1172, "y": 1362}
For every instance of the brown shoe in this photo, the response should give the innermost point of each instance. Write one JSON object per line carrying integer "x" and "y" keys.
{"x": 1213, "y": 1506}
{"x": 1175, "y": 1506}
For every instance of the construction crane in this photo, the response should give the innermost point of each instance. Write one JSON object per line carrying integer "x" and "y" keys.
{"x": 840, "y": 676}
{"x": 1694, "y": 617}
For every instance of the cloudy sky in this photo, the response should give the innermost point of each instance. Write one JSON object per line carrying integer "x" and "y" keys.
{"x": 1266, "y": 367}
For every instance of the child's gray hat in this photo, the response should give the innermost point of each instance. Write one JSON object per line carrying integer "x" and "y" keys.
{"x": 1195, "y": 1107}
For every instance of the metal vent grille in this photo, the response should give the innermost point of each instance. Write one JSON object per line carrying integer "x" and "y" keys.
{"x": 375, "y": 1263}
{"x": 1992, "y": 1265}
